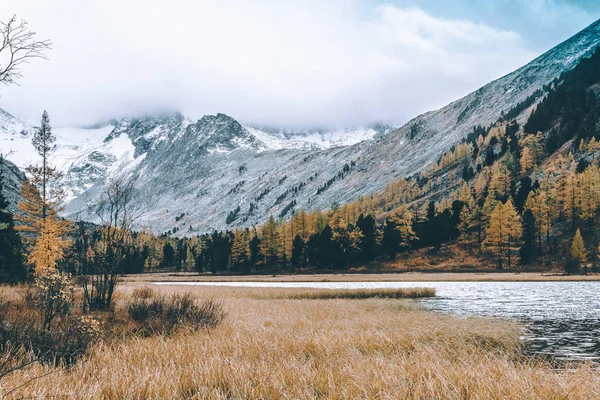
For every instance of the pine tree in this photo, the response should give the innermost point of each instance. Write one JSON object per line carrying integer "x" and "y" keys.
{"x": 298, "y": 253}
{"x": 527, "y": 251}
{"x": 43, "y": 142}
{"x": 368, "y": 243}
{"x": 11, "y": 259}
{"x": 168, "y": 255}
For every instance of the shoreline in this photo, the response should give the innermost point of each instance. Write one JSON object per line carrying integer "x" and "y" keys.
{"x": 365, "y": 277}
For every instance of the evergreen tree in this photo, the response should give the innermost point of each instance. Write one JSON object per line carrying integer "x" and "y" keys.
{"x": 298, "y": 259}
{"x": 368, "y": 242}
{"x": 168, "y": 256}
{"x": 11, "y": 260}
{"x": 256, "y": 256}
{"x": 528, "y": 249}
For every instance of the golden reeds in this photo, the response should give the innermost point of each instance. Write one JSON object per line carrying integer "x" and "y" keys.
{"x": 305, "y": 349}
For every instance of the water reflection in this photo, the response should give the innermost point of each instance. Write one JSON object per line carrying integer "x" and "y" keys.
{"x": 563, "y": 318}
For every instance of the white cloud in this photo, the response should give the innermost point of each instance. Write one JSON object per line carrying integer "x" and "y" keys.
{"x": 305, "y": 63}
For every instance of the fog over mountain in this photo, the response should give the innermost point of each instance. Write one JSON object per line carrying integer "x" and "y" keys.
{"x": 197, "y": 175}
{"x": 291, "y": 65}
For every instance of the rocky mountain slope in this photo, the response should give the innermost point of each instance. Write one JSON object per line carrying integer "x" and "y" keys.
{"x": 217, "y": 174}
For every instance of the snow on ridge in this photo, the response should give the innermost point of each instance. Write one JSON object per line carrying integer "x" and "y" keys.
{"x": 312, "y": 139}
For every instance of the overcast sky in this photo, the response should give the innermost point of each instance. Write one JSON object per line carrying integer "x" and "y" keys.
{"x": 303, "y": 63}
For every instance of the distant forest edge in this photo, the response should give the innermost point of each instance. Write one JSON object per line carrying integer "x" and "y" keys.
{"x": 508, "y": 197}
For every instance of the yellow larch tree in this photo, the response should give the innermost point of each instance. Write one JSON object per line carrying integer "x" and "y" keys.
{"x": 504, "y": 233}
{"x": 45, "y": 232}
{"x": 526, "y": 161}
{"x": 578, "y": 251}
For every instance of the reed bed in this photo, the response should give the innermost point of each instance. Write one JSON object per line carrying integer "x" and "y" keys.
{"x": 306, "y": 349}
{"x": 351, "y": 294}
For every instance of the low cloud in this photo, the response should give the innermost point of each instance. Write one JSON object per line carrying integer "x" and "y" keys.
{"x": 278, "y": 63}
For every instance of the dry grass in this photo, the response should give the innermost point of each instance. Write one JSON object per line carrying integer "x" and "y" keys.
{"x": 324, "y": 294}
{"x": 304, "y": 349}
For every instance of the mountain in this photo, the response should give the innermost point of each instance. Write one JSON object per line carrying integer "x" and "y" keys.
{"x": 216, "y": 173}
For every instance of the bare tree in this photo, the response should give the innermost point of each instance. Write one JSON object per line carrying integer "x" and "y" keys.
{"x": 117, "y": 215}
{"x": 18, "y": 46}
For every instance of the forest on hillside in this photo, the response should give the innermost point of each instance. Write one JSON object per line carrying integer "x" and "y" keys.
{"x": 511, "y": 196}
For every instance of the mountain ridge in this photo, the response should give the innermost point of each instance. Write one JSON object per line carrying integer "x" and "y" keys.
{"x": 215, "y": 173}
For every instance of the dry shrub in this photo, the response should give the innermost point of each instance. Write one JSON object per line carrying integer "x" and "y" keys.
{"x": 144, "y": 293}
{"x": 166, "y": 314}
{"x": 23, "y": 330}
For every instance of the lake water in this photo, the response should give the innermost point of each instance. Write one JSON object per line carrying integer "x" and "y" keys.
{"x": 563, "y": 318}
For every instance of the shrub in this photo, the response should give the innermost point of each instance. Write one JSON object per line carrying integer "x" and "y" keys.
{"x": 53, "y": 295}
{"x": 23, "y": 339}
{"x": 144, "y": 293}
{"x": 166, "y": 314}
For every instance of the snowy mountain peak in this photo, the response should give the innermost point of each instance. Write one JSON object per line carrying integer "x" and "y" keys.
{"x": 216, "y": 173}
{"x": 147, "y": 133}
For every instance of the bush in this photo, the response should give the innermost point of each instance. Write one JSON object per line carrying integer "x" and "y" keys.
{"x": 23, "y": 339}
{"x": 144, "y": 293}
{"x": 166, "y": 314}
{"x": 53, "y": 295}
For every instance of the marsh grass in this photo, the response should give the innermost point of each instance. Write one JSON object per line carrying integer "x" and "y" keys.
{"x": 351, "y": 294}
{"x": 304, "y": 349}
{"x": 161, "y": 314}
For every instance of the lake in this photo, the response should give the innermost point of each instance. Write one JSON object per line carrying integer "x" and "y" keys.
{"x": 562, "y": 318}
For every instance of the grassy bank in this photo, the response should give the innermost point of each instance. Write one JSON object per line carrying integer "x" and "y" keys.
{"x": 324, "y": 294}
{"x": 364, "y": 277}
{"x": 336, "y": 348}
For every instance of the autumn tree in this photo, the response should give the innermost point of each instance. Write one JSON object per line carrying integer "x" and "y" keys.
{"x": 398, "y": 232}
{"x": 526, "y": 161}
{"x": 587, "y": 194}
{"x": 504, "y": 233}
{"x": 578, "y": 254}
{"x": 468, "y": 216}
{"x": 240, "y": 250}
{"x": 347, "y": 241}
{"x": 45, "y": 232}
{"x": 269, "y": 244}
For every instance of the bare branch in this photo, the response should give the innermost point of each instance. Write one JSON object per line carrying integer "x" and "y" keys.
{"x": 18, "y": 46}
{"x": 117, "y": 214}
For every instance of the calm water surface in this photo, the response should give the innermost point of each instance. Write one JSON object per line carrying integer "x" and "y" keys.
{"x": 563, "y": 318}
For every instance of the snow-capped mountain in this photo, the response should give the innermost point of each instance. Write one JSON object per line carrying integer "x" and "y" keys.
{"x": 87, "y": 156}
{"x": 216, "y": 173}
